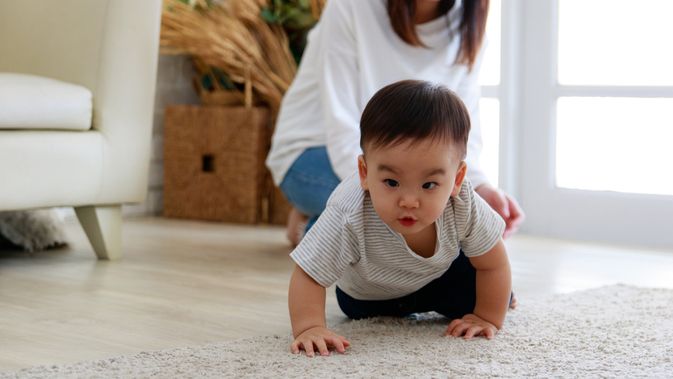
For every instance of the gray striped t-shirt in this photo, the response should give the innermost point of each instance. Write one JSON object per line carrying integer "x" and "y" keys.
{"x": 352, "y": 246}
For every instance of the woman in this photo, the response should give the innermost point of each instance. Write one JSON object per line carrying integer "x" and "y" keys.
{"x": 358, "y": 47}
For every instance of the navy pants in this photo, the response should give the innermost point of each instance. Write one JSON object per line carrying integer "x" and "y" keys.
{"x": 453, "y": 295}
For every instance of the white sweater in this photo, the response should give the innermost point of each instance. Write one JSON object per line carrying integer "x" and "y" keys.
{"x": 352, "y": 53}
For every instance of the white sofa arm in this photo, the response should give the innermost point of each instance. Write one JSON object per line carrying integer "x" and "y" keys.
{"x": 124, "y": 97}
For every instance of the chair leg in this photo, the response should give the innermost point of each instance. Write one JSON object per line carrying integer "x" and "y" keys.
{"x": 103, "y": 227}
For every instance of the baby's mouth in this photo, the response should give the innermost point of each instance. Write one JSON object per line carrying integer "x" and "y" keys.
{"x": 407, "y": 221}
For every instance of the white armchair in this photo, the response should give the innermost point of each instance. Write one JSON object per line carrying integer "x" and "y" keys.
{"x": 107, "y": 48}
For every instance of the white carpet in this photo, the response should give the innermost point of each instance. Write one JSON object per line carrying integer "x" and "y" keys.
{"x": 616, "y": 331}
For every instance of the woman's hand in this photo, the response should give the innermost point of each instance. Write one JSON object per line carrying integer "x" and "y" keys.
{"x": 320, "y": 338}
{"x": 505, "y": 205}
{"x": 470, "y": 326}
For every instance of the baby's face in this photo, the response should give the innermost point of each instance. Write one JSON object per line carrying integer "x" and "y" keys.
{"x": 410, "y": 184}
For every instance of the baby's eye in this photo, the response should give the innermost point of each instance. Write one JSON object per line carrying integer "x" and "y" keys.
{"x": 429, "y": 185}
{"x": 391, "y": 183}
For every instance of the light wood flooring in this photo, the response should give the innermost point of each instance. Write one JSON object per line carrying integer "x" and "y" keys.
{"x": 188, "y": 283}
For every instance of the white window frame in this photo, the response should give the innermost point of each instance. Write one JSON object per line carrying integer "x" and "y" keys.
{"x": 528, "y": 92}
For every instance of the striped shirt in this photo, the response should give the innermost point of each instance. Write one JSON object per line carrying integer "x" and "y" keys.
{"x": 350, "y": 245}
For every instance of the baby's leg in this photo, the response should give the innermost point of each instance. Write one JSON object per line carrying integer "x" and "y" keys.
{"x": 359, "y": 309}
{"x": 454, "y": 294}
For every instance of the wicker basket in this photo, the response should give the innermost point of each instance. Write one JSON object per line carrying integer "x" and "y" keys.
{"x": 214, "y": 163}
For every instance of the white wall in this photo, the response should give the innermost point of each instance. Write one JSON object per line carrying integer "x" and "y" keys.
{"x": 174, "y": 86}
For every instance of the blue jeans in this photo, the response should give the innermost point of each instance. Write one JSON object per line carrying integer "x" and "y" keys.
{"x": 309, "y": 182}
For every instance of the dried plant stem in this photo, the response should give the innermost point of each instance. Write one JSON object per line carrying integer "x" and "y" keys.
{"x": 234, "y": 38}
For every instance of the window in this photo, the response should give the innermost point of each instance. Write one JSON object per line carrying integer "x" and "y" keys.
{"x": 489, "y": 106}
{"x": 630, "y": 56}
{"x": 615, "y": 144}
{"x": 615, "y": 42}
{"x": 595, "y": 116}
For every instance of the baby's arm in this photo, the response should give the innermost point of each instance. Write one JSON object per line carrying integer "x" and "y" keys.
{"x": 307, "y": 312}
{"x": 494, "y": 288}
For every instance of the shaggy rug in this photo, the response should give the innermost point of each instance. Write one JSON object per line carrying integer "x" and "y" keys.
{"x": 616, "y": 331}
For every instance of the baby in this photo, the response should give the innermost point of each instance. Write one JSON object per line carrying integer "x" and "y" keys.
{"x": 408, "y": 234}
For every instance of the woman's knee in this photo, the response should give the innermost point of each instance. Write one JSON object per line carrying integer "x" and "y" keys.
{"x": 310, "y": 181}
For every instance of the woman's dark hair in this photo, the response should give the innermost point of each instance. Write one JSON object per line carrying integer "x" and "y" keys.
{"x": 472, "y": 25}
{"x": 413, "y": 110}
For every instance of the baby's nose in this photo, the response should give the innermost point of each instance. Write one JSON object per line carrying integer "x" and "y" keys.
{"x": 409, "y": 201}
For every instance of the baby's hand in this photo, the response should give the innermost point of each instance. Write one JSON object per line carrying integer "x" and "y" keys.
{"x": 469, "y": 326}
{"x": 321, "y": 338}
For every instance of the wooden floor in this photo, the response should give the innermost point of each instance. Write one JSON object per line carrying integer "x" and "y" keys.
{"x": 188, "y": 283}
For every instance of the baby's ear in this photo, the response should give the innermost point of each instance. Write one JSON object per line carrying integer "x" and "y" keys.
{"x": 362, "y": 170}
{"x": 460, "y": 177}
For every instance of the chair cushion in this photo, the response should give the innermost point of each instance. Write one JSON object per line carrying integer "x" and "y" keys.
{"x": 34, "y": 102}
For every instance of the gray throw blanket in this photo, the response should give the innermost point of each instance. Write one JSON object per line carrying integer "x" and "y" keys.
{"x": 32, "y": 230}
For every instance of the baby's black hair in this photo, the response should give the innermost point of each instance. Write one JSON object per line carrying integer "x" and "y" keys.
{"x": 414, "y": 110}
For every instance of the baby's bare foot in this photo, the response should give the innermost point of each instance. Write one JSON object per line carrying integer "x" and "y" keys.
{"x": 296, "y": 223}
{"x": 513, "y": 303}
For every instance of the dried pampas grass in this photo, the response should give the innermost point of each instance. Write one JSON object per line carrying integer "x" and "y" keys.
{"x": 233, "y": 37}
